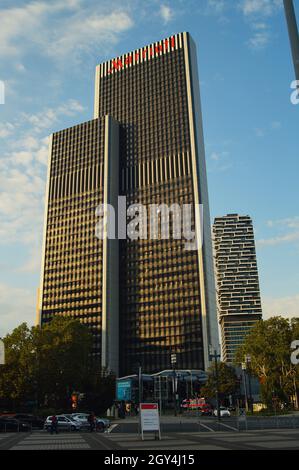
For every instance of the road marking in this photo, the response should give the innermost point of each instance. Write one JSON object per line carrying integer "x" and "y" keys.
{"x": 229, "y": 427}
{"x": 113, "y": 426}
{"x": 207, "y": 427}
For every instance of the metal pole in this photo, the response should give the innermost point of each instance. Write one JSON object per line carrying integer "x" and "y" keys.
{"x": 191, "y": 384}
{"x": 140, "y": 396}
{"x": 245, "y": 387}
{"x": 217, "y": 385}
{"x": 250, "y": 393}
{"x": 173, "y": 362}
{"x": 140, "y": 391}
{"x": 293, "y": 33}
{"x": 174, "y": 390}
{"x": 160, "y": 395}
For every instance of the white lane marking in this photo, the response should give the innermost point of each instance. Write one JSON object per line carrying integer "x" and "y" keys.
{"x": 207, "y": 427}
{"x": 113, "y": 426}
{"x": 229, "y": 427}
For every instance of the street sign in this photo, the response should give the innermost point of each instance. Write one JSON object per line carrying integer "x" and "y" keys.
{"x": 149, "y": 418}
{"x": 124, "y": 390}
{"x": 2, "y": 353}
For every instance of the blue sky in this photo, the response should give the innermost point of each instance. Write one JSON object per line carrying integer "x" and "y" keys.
{"x": 48, "y": 53}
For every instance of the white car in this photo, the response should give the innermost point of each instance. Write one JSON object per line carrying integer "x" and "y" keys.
{"x": 224, "y": 412}
{"x": 64, "y": 423}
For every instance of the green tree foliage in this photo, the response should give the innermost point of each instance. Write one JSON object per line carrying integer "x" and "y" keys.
{"x": 269, "y": 345}
{"x": 45, "y": 365}
{"x": 100, "y": 393}
{"x": 227, "y": 381}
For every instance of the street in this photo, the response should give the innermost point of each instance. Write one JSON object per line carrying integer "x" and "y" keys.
{"x": 285, "y": 439}
{"x": 41, "y": 440}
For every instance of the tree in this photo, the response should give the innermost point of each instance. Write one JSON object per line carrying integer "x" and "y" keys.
{"x": 268, "y": 344}
{"x": 99, "y": 391}
{"x": 45, "y": 365}
{"x": 227, "y": 381}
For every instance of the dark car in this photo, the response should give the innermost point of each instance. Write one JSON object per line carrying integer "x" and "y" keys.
{"x": 34, "y": 421}
{"x": 8, "y": 424}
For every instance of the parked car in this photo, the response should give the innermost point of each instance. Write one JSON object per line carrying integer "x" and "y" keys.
{"x": 102, "y": 423}
{"x": 224, "y": 412}
{"x": 64, "y": 423}
{"x": 34, "y": 421}
{"x": 206, "y": 410}
{"x": 197, "y": 404}
{"x": 8, "y": 424}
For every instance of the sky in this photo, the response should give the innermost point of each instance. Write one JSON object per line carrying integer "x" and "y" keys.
{"x": 48, "y": 54}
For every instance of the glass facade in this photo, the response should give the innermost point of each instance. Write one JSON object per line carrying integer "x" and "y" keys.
{"x": 166, "y": 293}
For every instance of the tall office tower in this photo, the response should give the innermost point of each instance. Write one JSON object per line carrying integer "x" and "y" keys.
{"x": 167, "y": 301}
{"x": 167, "y": 294}
{"x": 237, "y": 283}
{"x": 75, "y": 281}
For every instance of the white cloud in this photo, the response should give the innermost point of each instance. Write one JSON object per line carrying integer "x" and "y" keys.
{"x": 82, "y": 32}
{"x": 259, "y": 132}
{"x": 259, "y": 40}
{"x": 290, "y": 222}
{"x": 20, "y": 67}
{"x": 22, "y": 158}
{"x": 166, "y": 13}
{"x": 216, "y": 6}
{"x": 6, "y": 129}
{"x": 16, "y": 306}
{"x": 22, "y": 176}
{"x": 260, "y": 7}
{"x": 256, "y": 13}
{"x": 46, "y": 118}
{"x": 282, "y": 224}
{"x": 220, "y": 161}
{"x": 81, "y": 29}
{"x": 288, "y": 238}
{"x": 285, "y": 306}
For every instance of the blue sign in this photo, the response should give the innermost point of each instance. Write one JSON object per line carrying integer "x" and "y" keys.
{"x": 124, "y": 390}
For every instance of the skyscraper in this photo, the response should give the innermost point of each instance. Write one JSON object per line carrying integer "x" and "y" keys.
{"x": 75, "y": 281}
{"x": 237, "y": 283}
{"x": 166, "y": 293}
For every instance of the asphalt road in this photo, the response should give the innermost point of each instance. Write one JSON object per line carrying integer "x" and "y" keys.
{"x": 210, "y": 424}
{"x": 41, "y": 440}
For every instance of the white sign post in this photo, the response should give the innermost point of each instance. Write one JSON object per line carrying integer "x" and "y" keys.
{"x": 149, "y": 419}
{"x": 2, "y": 353}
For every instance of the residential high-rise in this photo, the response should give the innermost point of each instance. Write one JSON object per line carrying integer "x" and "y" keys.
{"x": 166, "y": 293}
{"x": 237, "y": 282}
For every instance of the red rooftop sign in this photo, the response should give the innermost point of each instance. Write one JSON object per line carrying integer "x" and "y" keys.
{"x": 151, "y": 51}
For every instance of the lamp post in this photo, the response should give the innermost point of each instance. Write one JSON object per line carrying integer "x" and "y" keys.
{"x": 244, "y": 384}
{"x": 248, "y": 362}
{"x": 215, "y": 356}
{"x": 173, "y": 363}
{"x": 191, "y": 383}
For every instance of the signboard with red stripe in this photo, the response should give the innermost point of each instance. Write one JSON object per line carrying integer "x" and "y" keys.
{"x": 150, "y": 418}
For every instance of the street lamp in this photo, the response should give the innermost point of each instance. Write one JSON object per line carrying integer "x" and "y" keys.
{"x": 244, "y": 384}
{"x": 173, "y": 363}
{"x": 248, "y": 362}
{"x": 215, "y": 356}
